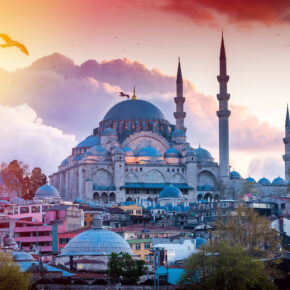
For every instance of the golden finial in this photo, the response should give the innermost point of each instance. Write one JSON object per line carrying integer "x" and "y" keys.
{"x": 134, "y": 96}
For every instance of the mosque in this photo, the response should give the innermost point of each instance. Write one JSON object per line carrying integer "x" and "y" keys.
{"x": 135, "y": 152}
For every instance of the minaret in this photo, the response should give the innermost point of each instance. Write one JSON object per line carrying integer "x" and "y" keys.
{"x": 286, "y": 141}
{"x": 179, "y": 100}
{"x": 223, "y": 114}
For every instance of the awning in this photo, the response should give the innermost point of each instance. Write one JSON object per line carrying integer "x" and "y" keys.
{"x": 155, "y": 185}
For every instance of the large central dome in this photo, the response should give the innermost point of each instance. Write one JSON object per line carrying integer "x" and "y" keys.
{"x": 133, "y": 109}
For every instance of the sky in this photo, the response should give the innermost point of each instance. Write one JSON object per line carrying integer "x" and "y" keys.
{"x": 83, "y": 52}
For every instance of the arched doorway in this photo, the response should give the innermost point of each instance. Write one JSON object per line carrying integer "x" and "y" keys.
{"x": 199, "y": 197}
{"x": 129, "y": 199}
{"x": 104, "y": 198}
{"x": 216, "y": 197}
{"x": 96, "y": 197}
{"x": 208, "y": 196}
{"x": 112, "y": 197}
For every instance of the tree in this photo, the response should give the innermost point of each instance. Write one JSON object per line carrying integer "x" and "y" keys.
{"x": 247, "y": 188}
{"x": 224, "y": 267}
{"x": 36, "y": 179}
{"x": 245, "y": 228}
{"x": 123, "y": 266}
{"x": 11, "y": 276}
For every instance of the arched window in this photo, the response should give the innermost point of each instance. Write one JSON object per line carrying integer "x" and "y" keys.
{"x": 112, "y": 197}
{"x": 104, "y": 198}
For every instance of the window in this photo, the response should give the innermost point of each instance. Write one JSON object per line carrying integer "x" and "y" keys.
{"x": 139, "y": 236}
{"x": 137, "y": 247}
{"x": 35, "y": 209}
{"x": 148, "y": 258}
{"x": 24, "y": 210}
{"x": 283, "y": 206}
{"x": 147, "y": 246}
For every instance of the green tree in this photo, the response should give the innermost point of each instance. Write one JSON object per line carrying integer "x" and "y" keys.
{"x": 224, "y": 267}
{"x": 246, "y": 228}
{"x": 11, "y": 276}
{"x": 124, "y": 267}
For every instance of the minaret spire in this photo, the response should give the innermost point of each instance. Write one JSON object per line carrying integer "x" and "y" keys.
{"x": 223, "y": 114}
{"x": 179, "y": 100}
{"x": 286, "y": 140}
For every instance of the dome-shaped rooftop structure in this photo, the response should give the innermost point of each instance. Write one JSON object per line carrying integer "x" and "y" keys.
{"x": 178, "y": 133}
{"x": 199, "y": 242}
{"x": 264, "y": 181}
{"x": 190, "y": 152}
{"x": 128, "y": 151}
{"x": 89, "y": 142}
{"x": 96, "y": 242}
{"x": 133, "y": 110}
{"x": 22, "y": 256}
{"x": 202, "y": 153}
{"x": 109, "y": 132}
{"x": 64, "y": 162}
{"x": 279, "y": 181}
{"x": 170, "y": 192}
{"x": 47, "y": 190}
{"x": 97, "y": 151}
{"x": 235, "y": 175}
{"x": 172, "y": 153}
{"x": 149, "y": 152}
{"x": 251, "y": 180}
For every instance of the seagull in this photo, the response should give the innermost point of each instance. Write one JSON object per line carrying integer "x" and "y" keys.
{"x": 9, "y": 43}
{"x": 124, "y": 95}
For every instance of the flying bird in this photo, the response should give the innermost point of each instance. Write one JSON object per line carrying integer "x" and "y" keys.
{"x": 9, "y": 43}
{"x": 124, "y": 95}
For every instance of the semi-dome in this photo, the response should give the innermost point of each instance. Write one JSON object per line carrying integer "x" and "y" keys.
{"x": 128, "y": 151}
{"x": 170, "y": 192}
{"x": 22, "y": 256}
{"x": 178, "y": 133}
{"x": 97, "y": 151}
{"x": 90, "y": 141}
{"x": 117, "y": 150}
{"x": 251, "y": 180}
{"x": 64, "y": 162}
{"x": 133, "y": 110}
{"x": 96, "y": 242}
{"x": 47, "y": 190}
{"x": 278, "y": 181}
{"x": 190, "y": 152}
{"x": 202, "y": 153}
{"x": 264, "y": 181}
{"x": 149, "y": 152}
{"x": 109, "y": 132}
{"x": 235, "y": 175}
{"x": 172, "y": 153}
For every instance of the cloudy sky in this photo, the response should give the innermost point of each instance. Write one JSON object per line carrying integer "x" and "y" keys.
{"x": 82, "y": 53}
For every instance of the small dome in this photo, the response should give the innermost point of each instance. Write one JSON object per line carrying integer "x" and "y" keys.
{"x": 47, "y": 190}
{"x": 190, "y": 152}
{"x": 278, "y": 181}
{"x": 171, "y": 152}
{"x": 251, "y": 180}
{"x": 170, "y": 192}
{"x": 117, "y": 150}
{"x": 202, "y": 153}
{"x": 96, "y": 242}
{"x": 206, "y": 187}
{"x": 128, "y": 151}
{"x": 149, "y": 152}
{"x": 235, "y": 175}
{"x": 133, "y": 110}
{"x": 199, "y": 242}
{"x": 64, "y": 162}
{"x": 178, "y": 133}
{"x": 78, "y": 200}
{"x": 264, "y": 181}
{"x": 90, "y": 141}
{"x": 4, "y": 202}
{"x": 109, "y": 132}
{"x": 22, "y": 256}
{"x": 97, "y": 151}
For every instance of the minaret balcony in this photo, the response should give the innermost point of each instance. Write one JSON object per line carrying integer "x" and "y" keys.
{"x": 286, "y": 140}
{"x": 224, "y": 113}
{"x": 179, "y": 115}
{"x": 179, "y": 100}
{"x": 223, "y": 97}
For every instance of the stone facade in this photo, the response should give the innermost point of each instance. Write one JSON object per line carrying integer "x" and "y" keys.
{"x": 135, "y": 152}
